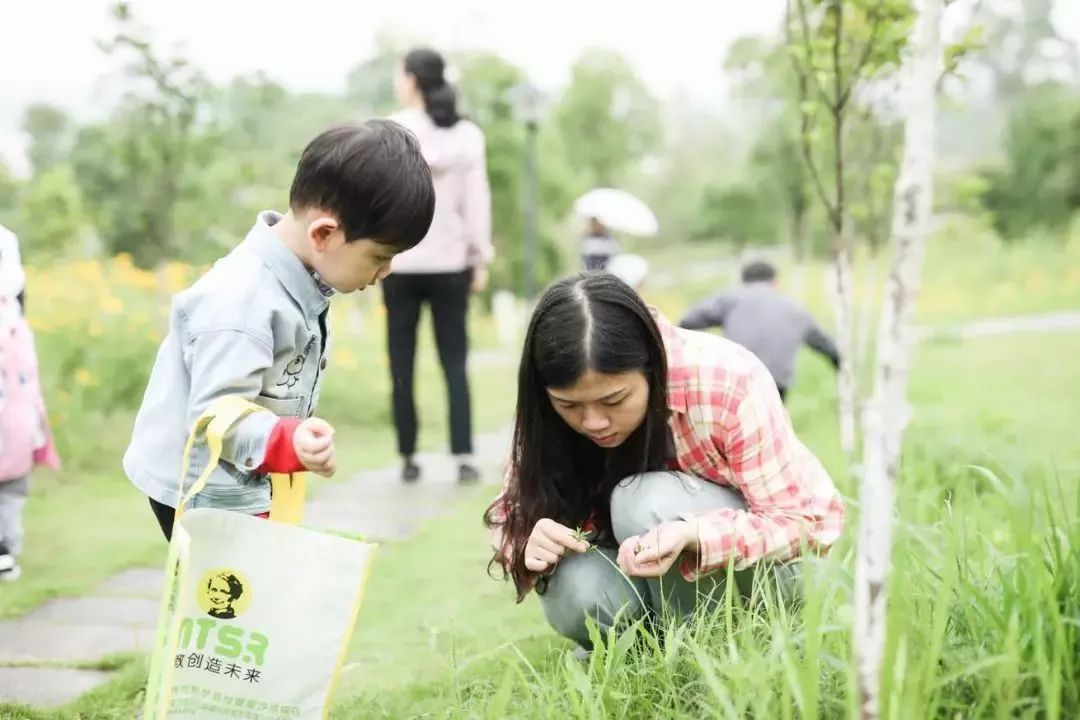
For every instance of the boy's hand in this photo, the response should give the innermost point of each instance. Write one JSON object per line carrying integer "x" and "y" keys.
{"x": 314, "y": 445}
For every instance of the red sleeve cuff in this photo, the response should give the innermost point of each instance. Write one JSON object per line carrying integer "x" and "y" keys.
{"x": 280, "y": 453}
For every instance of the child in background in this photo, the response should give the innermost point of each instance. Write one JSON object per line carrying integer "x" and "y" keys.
{"x": 25, "y": 440}
{"x": 256, "y": 324}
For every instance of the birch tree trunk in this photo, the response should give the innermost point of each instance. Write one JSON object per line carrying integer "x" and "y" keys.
{"x": 842, "y": 294}
{"x": 800, "y": 234}
{"x": 865, "y": 330}
{"x": 887, "y": 412}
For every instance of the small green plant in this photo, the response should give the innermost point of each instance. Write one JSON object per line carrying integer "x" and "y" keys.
{"x": 581, "y": 534}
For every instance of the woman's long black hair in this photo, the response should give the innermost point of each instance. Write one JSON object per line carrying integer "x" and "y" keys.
{"x": 592, "y": 321}
{"x": 440, "y": 100}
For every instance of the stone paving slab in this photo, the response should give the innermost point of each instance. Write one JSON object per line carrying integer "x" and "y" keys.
{"x": 47, "y": 687}
{"x": 371, "y": 523}
{"x": 118, "y": 611}
{"x": 28, "y": 641}
{"x": 136, "y": 582}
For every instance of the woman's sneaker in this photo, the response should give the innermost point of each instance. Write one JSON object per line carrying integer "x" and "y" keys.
{"x": 410, "y": 472}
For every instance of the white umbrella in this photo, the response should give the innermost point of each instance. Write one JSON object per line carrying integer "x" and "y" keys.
{"x": 618, "y": 210}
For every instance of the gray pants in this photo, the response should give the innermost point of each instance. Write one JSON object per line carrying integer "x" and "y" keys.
{"x": 12, "y": 499}
{"x": 588, "y": 585}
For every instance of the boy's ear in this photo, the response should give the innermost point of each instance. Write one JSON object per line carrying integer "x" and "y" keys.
{"x": 320, "y": 231}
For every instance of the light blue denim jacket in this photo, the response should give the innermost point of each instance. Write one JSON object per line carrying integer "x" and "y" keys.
{"x": 254, "y": 325}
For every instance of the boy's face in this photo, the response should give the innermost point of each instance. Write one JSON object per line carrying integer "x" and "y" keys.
{"x": 347, "y": 266}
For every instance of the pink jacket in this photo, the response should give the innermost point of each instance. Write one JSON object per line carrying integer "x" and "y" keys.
{"x": 25, "y": 439}
{"x": 460, "y": 234}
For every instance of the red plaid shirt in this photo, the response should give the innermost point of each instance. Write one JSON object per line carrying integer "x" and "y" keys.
{"x": 730, "y": 427}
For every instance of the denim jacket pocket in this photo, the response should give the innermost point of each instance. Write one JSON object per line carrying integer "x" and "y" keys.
{"x": 282, "y": 407}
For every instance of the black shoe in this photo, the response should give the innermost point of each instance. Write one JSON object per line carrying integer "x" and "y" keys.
{"x": 467, "y": 474}
{"x": 411, "y": 472}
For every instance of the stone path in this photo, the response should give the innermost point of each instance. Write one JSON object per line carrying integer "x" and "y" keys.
{"x": 1017, "y": 324}
{"x": 38, "y": 651}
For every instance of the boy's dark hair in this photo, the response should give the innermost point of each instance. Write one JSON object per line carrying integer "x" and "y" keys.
{"x": 372, "y": 177}
{"x": 758, "y": 271}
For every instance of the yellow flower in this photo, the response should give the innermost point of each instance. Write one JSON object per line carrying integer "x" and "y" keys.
{"x": 123, "y": 261}
{"x": 84, "y": 378}
{"x": 344, "y": 359}
{"x": 177, "y": 276}
{"x": 112, "y": 305}
{"x": 1036, "y": 279}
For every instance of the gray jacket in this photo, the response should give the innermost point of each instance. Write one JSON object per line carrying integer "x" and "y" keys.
{"x": 766, "y": 323}
{"x": 255, "y": 325}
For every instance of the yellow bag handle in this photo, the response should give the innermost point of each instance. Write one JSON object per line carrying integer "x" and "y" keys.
{"x": 287, "y": 491}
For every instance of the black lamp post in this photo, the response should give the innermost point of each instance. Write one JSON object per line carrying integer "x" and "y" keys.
{"x": 526, "y": 100}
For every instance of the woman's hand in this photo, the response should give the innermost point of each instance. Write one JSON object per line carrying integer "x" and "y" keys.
{"x": 478, "y": 282}
{"x": 548, "y": 542}
{"x": 652, "y": 554}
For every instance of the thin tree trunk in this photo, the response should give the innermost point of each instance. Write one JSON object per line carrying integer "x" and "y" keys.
{"x": 887, "y": 413}
{"x": 842, "y": 309}
{"x": 867, "y": 304}
{"x": 739, "y": 258}
{"x": 800, "y": 235}
{"x": 842, "y": 249}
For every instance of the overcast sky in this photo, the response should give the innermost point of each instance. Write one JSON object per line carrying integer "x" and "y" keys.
{"x": 47, "y": 50}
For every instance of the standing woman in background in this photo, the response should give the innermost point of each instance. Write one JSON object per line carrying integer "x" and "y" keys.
{"x": 448, "y": 265}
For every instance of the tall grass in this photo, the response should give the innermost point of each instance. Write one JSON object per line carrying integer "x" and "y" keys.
{"x": 983, "y": 622}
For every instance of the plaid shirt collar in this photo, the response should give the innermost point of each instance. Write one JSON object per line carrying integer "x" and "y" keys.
{"x": 678, "y": 372}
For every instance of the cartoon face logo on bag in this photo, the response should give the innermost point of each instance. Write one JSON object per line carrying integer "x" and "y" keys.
{"x": 223, "y": 594}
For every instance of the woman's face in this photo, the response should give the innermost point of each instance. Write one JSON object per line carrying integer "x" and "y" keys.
{"x": 218, "y": 593}
{"x": 605, "y": 408}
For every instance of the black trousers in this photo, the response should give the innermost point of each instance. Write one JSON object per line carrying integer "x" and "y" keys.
{"x": 448, "y": 296}
{"x": 165, "y": 516}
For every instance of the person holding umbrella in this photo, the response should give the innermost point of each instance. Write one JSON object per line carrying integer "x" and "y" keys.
{"x": 597, "y": 246}
{"x": 608, "y": 210}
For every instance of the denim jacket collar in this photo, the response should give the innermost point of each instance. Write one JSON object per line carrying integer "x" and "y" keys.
{"x": 301, "y": 283}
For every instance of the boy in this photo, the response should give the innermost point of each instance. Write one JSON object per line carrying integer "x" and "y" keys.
{"x": 255, "y": 325}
